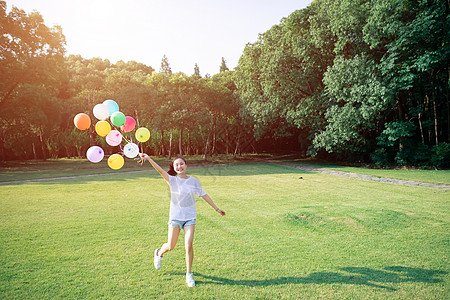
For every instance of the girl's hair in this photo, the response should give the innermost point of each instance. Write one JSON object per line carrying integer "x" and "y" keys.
{"x": 172, "y": 171}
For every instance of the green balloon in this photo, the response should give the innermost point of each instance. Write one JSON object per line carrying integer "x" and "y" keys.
{"x": 118, "y": 118}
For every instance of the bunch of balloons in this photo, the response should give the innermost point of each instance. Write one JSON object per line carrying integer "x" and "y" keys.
{"x": 110, "y": 120}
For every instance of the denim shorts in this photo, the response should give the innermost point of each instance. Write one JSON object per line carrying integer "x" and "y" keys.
{"x": 181, "y": 224}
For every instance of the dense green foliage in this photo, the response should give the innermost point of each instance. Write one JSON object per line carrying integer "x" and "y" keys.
{"x": 364, "y": 80}
{"x": 355, "y": 79}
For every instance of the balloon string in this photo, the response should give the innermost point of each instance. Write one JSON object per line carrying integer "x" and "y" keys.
{"x": 125, "y": 139}
{"x": 123, "y": 136}
{"x": 93, "y": 132}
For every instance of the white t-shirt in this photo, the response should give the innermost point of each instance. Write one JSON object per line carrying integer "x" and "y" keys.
{"x": 182, "y": 197}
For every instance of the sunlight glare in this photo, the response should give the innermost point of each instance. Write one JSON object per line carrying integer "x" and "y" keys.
{"x": 103, "y": 10}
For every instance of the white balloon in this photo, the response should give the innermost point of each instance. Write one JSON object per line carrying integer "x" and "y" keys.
{"x": 131, "y": 150}
{"x": 101, "y": 112}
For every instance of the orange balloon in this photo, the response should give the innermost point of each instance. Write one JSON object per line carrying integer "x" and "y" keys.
{"x": 82, "y": 121}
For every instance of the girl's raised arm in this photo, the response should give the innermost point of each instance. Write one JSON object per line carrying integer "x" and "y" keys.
{"x": 160, "y": 170}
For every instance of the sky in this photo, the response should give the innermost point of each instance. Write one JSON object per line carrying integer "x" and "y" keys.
{"x": 187, "y": 32}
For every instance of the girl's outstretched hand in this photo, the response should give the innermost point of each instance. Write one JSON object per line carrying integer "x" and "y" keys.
{"x": 143, "y": 157}
{"x": 221, "y": 212}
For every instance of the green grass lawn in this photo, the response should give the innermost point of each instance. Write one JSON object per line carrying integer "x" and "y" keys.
{"x": 419, "y": 175}
{"x": 320, "y": 237}
{"x": 35, "y": 169}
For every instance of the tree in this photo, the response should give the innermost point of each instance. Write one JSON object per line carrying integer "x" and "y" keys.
{"x": 29, "y": 50}
{"x": 357, "y": 98}
{"x": 223, "y": 66}
{"x": 30, "y": 62}
{"x": 339, "y": 73}
{"x": 165, "y": 67}
{"x": 279, "y": 78}
{"x": 197, "y": 70}
{"x": 413, "y": 38}
{"x": 133, "y": 66}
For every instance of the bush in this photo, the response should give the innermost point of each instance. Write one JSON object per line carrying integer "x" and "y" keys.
{"x": 380, "y": 157}
{"x": 421, "y": 156}
{"x": 440, "y": 157}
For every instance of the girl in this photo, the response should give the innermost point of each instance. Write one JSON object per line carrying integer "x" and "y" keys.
{"x": 183, "y": 189}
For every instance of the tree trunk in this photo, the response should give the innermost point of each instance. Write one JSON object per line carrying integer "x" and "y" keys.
{"x": 188, "y": 150}
{"x": 163, "y": 150}
{"x": 213, "y": 150}
{"x": 203, "y": 136}
{"x": 238, "y": 137}
{"x": 170, "y": 144}
{"x": 434, "y": 98}
{"x": 435, "y": 122}
{"x": 34, "y": 151}
{"x": 401, "y": 106}
{"x": 67, "y": 152}
{"x": 421, "y": 129}
{"x": 205, "y": 156}
{"x": 227, "y": 137}
{"x": 435, "y": 119}
{"x": 41, "y": 139}
{"x": 2, "y": 151}
{"x": 180, "y": 141}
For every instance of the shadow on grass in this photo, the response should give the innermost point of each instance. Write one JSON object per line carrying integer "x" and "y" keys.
{"x": 357, "y": 276}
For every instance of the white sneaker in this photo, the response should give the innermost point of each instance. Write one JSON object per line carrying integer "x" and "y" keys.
{"x": 189, "y": 280}
{"x": 157, "y": 260}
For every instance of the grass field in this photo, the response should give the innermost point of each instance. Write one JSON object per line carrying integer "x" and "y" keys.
{"x": 322, "y": 237}
{"x": 419, "y": 175}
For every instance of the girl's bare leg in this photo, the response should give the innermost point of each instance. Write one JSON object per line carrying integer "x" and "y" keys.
{"x": 188, "y": 243}
{"x": 172, "y": 238}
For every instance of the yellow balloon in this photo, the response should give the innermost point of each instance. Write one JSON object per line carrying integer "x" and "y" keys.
{"x": 102, "y": 128}
{"x": 116, "y": 161}
{"x": 142, "y": 134}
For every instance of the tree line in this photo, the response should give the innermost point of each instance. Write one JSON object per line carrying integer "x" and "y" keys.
{"x": 363, "y": 80}
{"x": 340, "y": 79}
{"x": 42, "y": 90}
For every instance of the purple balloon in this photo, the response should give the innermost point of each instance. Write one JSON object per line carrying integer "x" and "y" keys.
{"x": 95, "y": 154}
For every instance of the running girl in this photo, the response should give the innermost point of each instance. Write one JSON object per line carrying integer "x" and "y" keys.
{"x": 183, "y": 214}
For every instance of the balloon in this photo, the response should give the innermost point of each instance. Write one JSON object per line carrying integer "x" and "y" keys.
{"x": 142, "y": 134}
{"x": 118, "y": 118}
{"x": 131, "y": 150}
{"x": 114, "y": 138}
{"x": 82, "y": 121}
{"x": 116, "y": 161}
{"x": 112, "y": 106}
{"x": 102, "y": 128}
{"x": 95, "y": 154}
{"x": 129, "y": 125}
{"x": 101, "y": 112}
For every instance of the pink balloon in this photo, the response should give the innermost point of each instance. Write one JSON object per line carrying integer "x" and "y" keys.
{"x": 129, "y": 125}
{"x": 114, "y": 138}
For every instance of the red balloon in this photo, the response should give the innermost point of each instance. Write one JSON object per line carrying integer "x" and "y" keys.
{"x": 82, "y": 121}
{"x": 129, "y": 125}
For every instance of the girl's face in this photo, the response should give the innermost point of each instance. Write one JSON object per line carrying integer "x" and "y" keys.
{"x": 179, "y": 166}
